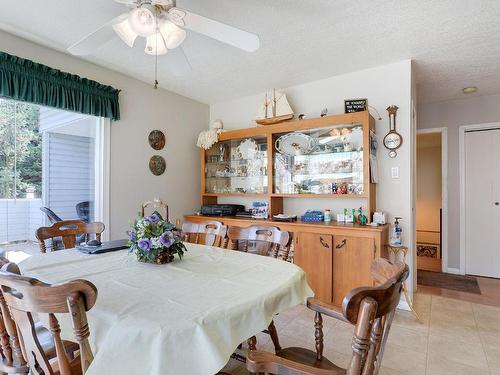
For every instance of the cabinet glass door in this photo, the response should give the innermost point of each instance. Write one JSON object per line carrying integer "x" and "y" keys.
{"x": 326, "y": 160}
{"x": 237, "y": 166}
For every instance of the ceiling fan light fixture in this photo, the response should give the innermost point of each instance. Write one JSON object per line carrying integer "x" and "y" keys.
{"x": 173, "y": 35}
{"x": 155, "y": 45}
{"x": 143, "y": 20}
{"x": 125, "y": 32}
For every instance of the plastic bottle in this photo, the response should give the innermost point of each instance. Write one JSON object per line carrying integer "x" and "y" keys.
{"x": 396, "y": 233}
{"x": 328, "y": 215}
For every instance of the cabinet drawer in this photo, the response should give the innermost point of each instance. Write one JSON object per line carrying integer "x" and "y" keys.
{"x": 313, "y": 253}
{"x": 352, "y": 259}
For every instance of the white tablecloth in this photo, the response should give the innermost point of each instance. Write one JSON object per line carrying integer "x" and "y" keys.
{"x": 183, "y": 318}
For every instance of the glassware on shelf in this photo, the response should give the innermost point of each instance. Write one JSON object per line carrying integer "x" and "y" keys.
{"x": 332, "y": 162}
{"x": 237, "y": 166}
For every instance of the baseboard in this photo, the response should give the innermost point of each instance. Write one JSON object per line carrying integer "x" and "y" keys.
{"x": 455, "y": 271}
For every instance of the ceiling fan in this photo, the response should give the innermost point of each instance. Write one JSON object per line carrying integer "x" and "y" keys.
{"x": 163, "y": 25}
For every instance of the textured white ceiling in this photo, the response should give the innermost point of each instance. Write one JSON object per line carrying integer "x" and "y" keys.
{"x": 454, "y": 43}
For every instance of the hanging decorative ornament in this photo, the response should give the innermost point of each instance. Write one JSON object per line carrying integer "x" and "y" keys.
{"x": 208, "y": 138}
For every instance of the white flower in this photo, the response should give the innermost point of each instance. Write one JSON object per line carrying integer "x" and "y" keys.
{"x": 156, "y": 242}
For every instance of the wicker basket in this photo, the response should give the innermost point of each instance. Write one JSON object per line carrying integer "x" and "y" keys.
{"x": 162, "y": 258}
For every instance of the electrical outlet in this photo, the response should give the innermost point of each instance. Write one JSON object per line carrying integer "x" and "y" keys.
{"x": 395, "y": 172}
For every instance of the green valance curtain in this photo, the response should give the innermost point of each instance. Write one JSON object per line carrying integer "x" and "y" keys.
{"x": 25, "y": 80}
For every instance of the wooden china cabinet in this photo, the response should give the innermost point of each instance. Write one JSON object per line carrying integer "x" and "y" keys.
{"x": 327, "y": 157}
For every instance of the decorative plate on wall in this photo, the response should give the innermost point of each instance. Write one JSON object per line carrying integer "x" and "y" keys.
{"x": 157, "y": 139}
{"x": 157, "y": 165}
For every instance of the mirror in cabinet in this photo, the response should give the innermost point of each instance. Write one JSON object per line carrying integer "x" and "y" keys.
{"x": 237, "y": 166}
{"x": 327, "y": 160}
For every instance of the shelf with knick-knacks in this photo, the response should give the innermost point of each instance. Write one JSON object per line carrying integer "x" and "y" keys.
{"x": 321, "y": 157}
{"x": 237, "y": 166}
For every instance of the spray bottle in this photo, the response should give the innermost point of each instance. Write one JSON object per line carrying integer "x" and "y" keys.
{"x": 396, "y": 233}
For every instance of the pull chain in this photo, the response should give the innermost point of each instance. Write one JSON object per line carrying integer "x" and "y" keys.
{"x": 156, "y": 69}
{"x": 156, "y": 53}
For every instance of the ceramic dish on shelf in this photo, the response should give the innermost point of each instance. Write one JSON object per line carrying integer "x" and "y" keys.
{"x": 248, "y": 149}
{"x": 293, "y": 144}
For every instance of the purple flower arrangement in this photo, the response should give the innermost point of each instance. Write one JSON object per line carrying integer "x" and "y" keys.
{"x": 155, "y": 240}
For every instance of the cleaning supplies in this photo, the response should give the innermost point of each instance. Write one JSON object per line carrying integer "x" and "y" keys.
{"x": 328, "y": 215}
{"x": 396, "y": 233}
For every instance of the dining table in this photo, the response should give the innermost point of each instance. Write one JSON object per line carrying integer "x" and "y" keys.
{"x": 186, "y": 317}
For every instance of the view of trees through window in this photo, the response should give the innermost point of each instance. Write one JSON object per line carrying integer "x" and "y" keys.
{"x": 20, "y": 149}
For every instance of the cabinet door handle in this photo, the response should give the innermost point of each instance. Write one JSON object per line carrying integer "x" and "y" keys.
{"x": 324, "y": 243}
{"x": 341, "y": 245}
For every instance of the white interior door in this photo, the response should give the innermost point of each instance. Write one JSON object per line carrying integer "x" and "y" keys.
{"x": 482, "y": 202}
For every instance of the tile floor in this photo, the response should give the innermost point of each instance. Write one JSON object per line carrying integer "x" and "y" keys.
{"x": 454, "y": 337}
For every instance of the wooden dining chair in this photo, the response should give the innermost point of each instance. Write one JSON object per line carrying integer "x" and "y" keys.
{"x": 370, "y": 309}
{"x": 210, "y": 233}
{"x": 262, "y": 240}
{"x": 13, "y": 360}
{"x": 28, "y": 297}
{"x": 68, "y": 230}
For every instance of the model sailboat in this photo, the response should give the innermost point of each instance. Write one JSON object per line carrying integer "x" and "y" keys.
{"x": 275, "y": 109}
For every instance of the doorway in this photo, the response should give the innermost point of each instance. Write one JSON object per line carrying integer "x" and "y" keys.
{"x": 431, "y": 200}
{"x": 481, "y": 200}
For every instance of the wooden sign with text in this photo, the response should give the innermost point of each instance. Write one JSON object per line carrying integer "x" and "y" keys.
{"x": 355, "y": 105}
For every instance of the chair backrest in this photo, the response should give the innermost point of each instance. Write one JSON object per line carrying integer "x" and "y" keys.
{"x": 9, "y": 339}
{"x": 27, "y": 296}
{"x": 53, "y": 218}
{"x": 372, "y": 310}
{"x": 260, "y": 239}
{"x": 83, "y": 211}
{"x": 211, "y": 233}
{"x": 68, "y": 230}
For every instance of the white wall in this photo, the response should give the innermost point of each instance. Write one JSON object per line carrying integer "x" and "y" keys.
{"x": 453, "y": 114}
{"x": 142, "y": 110}
{"x": 383, "y": 86}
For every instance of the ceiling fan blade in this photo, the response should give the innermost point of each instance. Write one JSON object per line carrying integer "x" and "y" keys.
{"x": 178, "y": 63}
{"x": 97, "y": 38}
{"x": 220, "y": 31}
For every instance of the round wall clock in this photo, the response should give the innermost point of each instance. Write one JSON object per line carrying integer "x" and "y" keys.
{"x": 156, "y": 139}
{"x": 393, "y": 140}
{"x": 157, "y": 165}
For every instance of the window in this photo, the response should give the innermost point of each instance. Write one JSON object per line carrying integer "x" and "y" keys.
{"x": 53, "y": 159}
{"x": 20, "y": 150}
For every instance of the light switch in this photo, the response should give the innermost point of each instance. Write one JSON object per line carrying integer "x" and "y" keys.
{"x": 395, "y": 172}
